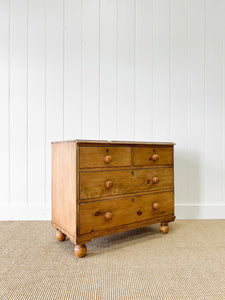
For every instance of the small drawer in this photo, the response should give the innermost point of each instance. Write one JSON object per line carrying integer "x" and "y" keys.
{"x": 151, "y": 156}
{"x": 99, "y": 184}
{"x": 100, "y": 215}
{"x": 104, "y": 157}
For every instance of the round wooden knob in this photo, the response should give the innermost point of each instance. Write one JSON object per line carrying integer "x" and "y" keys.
{"x": 108, "y": 215}
{"x": 155, "y": 180}
{"x": 108, "y": 184}
{"x": 155, "y": 205}
{"x": 108, "y": 159}
{"x": 155, "y": 157}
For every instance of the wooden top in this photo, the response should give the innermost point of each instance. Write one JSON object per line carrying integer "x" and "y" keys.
{"x": 115, "y": 142}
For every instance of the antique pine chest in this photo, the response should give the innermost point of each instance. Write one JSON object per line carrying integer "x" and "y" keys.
{"x": 101, "y": 187}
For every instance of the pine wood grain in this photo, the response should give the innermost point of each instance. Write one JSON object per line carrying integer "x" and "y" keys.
{"x": 64, "y": 186}
{"x": 92, "y": 184}
{"x": 94, "y": 215}
{"x": 86, "y": 238}
{"x": 94, "y": 157}
{"x": 145, "y": 156}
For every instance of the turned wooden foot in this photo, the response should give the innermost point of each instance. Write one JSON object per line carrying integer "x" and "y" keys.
{"x": 80, "y": 250}
{"x": 164, "y": 228}
{"x": 60, "y": 236}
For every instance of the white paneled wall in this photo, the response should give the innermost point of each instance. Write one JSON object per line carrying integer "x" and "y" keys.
{"x": 151, "y": 70}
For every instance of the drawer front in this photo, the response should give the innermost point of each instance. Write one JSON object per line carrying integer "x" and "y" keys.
{"x": 151, "y": 156}
{"x": 100, "y": 215}
{"x": 105, "y": 157}
{"x": 108, "y": 183}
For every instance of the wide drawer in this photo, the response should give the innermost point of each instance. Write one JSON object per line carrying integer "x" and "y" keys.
{"x": 100, "y": 215}
{"x": 105, "y": 157}
{"x": 108, "y": 183}
{"x": 148, "y": 156}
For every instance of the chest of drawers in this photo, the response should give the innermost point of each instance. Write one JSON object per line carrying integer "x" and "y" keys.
{"x": 100, "y": 188}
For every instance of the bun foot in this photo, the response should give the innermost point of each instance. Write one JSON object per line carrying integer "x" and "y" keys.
{"x": 164, "y": 228}
{"x": 80, "y": 250}
{"x": 60, "y": 236}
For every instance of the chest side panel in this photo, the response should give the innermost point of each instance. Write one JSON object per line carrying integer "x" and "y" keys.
{"x": 64, "y": 186}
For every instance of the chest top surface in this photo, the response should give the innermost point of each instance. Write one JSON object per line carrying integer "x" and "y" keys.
{"x": 105, "y": 142}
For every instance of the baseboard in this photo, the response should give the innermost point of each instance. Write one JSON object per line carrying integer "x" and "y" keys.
{"x": 25, "y": 213}
{"x": 182, "y": 212}
{"x": 197, "y": 211}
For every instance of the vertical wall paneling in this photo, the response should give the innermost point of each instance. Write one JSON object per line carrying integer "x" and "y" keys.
{"x": 161, "y": 71}
{"x": 144, "y": 70}
{"x": 213, "y": 96}
{"x": 196, "y": 122}
{"x": 90, "y": 69}
{"x": 108, "y": 69}
{"x": 18, "y": 102}
{"x": 223, "y": 105}
{"x": 4, "y": 102}
{"x": 126, "y": 62}
{"x": 72, "y": 69}
{"x": 54, "y": 82}
{"x": 112, "y": 69}
{"x": 179, "y": 93}
{"x": 36, "y": 102}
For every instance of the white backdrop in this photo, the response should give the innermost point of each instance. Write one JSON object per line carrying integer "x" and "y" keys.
{"x": 151, "y": 70}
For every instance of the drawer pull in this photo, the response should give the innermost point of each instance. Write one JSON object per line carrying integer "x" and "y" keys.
{"x": 139, "y": 213}
{"x": 155, "y": 157}
{"x": 108, "y": 159}
{"x": 108, "y": 184}
{"x": 108, "y": 215}
{"x": 155, "y": 180}
{"x": 155, "y": 206}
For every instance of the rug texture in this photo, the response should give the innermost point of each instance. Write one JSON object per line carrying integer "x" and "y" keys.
{"x": 186, "y": 263}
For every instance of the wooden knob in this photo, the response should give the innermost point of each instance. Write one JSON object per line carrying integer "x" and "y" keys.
{"x": 108, "y": 159}
{"x": 155, "y": 180}
{"x": 155, "y": 157}
{"x": 155, "y": 205}
{"x": 108, "y": 184}
{"x": 108, "y": 215}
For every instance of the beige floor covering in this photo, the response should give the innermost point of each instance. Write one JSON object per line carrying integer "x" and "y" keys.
{"x": 187, "y": 263}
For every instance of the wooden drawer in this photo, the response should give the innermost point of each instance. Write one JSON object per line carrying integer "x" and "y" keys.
{"x": 100, "y": 215}
{"x": 104, "y": 157}
{"x": 108, "y": 183}
{"x": 148, "y": 156}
